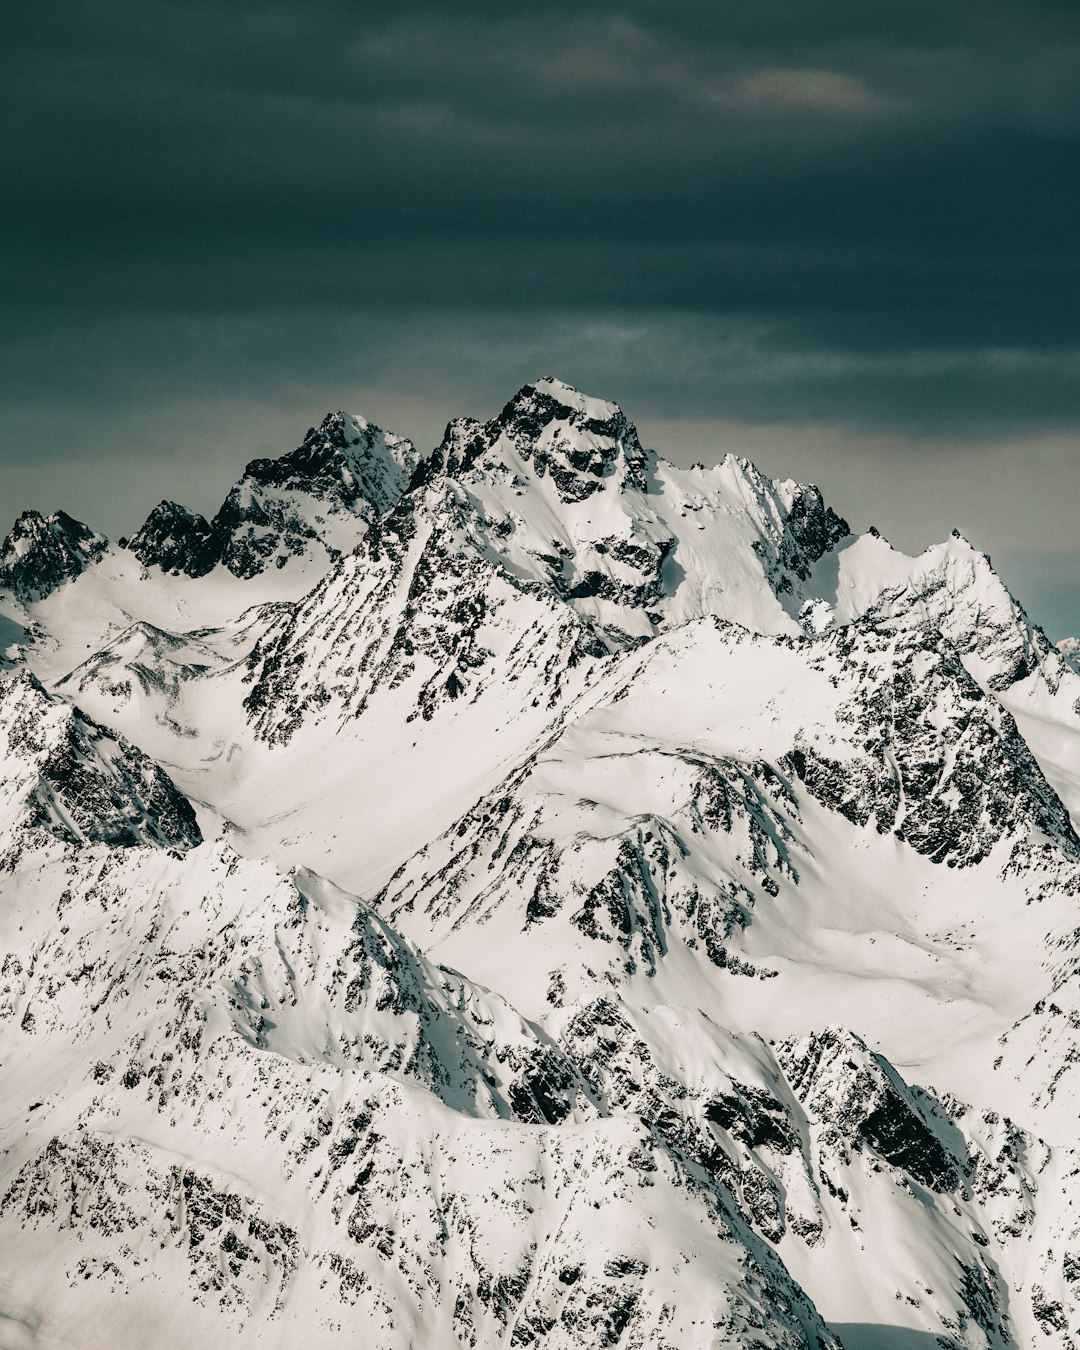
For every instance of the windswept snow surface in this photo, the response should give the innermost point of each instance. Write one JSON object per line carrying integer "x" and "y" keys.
{"x": 532, "y": 895}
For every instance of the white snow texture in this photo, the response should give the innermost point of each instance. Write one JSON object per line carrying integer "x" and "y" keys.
{"x": 532, "y": 895}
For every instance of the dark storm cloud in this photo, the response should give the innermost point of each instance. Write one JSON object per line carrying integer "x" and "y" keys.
{"x": 895, "y": 169}
{"x": 758, "y": 212}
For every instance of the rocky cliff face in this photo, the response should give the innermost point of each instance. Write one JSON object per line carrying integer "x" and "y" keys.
{"x": 558, "y": 490}
{"x": 700, "y": 961}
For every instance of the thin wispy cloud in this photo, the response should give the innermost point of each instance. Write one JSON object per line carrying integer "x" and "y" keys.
{"x": 814, "y": 91}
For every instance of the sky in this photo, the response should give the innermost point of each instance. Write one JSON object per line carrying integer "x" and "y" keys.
{"x": 842, "y": 239}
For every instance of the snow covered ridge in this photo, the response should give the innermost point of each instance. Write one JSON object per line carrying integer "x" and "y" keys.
{"x": 532, "y": 895}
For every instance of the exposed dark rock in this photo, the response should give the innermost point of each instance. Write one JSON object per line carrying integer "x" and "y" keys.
{"x": 42, "y": 552}
{"x": 866, "y": 1105}
{"x": 176, "y": 540}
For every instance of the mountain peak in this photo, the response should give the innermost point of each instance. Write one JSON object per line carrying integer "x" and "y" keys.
{"x": 346, "y": 472}
{"x": 1069, "y": 649}
{"x": 176, "y": 540}
{"x": 326, "y": 492}
{"x": 41, "y": 552}
{"x": 343, "y": 459}
{"x": 595, "y": 409}
{"x": 550, "y": 400}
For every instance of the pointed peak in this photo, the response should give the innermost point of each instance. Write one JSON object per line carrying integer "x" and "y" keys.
{"x": 176, "y": 540}
{"x": 738, "y": 466}
{"x": 959, "y": 546}
{"x": 549, "y": 401}
{"x": 41, "y": 552}
{"x": 341, "y": 430}
{"x": 555, "y": 429}
{"x": 341, "y": 427}
{"x": 31, "y": 523}
{"x": 322, "y": 495}
{"x": 340, "y": 433}
{"x": 170, "y": 510}
{"x": 27, "y": 522}
{"x": 753, "y": 482}
{"x": 22, "y": 679}
{"x": 594, "y": 409}
{"x": 959, "y": 549}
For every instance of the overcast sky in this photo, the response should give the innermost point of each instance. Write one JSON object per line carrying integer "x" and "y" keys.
{"x": 842, "y": 238}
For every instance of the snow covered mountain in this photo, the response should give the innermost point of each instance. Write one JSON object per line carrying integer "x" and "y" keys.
{"x": 532, "y": 895}
{"x": 346, "y": 471}
{"x": 1069, "y": 648}
{"x": 41, "y": 552}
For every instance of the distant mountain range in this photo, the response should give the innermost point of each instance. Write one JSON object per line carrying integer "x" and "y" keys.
{"x": 532, "y": 895}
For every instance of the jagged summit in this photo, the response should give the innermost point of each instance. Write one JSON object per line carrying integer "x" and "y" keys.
{"x": 549, "y": 430}
{"x": 345, "y": 461}
{"x": 560, "y": 491}
{"x": 321, "y": 496}
{"x": 593, "y": 409}
{"x": 41, "y": 552}
{"x": 952, "y": 587}
{"x": 176, "y": 540}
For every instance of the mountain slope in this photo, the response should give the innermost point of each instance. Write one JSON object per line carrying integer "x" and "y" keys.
{"x": 262, "y": 1109}
{"x": 66, "y": 777}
